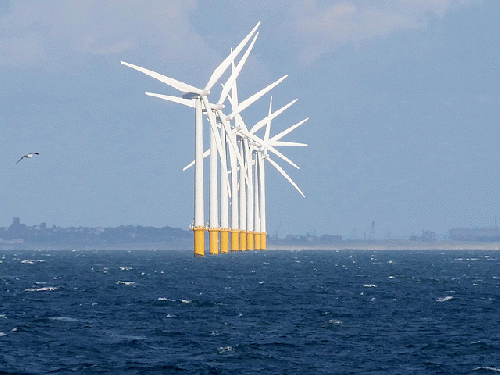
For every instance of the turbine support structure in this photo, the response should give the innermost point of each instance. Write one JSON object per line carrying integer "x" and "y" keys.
{"x": 224, "y": 240}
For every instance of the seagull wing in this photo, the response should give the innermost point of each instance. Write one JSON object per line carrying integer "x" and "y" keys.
{"x": 20, "y": 159}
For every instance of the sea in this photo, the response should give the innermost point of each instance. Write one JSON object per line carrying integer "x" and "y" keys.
{"x": 253, "y": 312}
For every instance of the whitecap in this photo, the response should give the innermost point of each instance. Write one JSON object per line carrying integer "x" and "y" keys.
{"x": 125, "y": 268}
{"x": 32, "y": 261}
{"x": 447, "y": 298}
{"x": 335, "y": 321}
{"x": 125, "y": 282}
{"x": 224, "y": 349}
{"x": 45, "y": 288}
{"x": 185, "y": 301}
{"x": 170, "y": 316}
{"x": 487, "y": 368}
{"x": 3, "y": 334}
{"x": 370, "y": 286}
{"x": 63, "y": 319}
{"x": 3, "y": 316}
{"x": 165, "y": 299}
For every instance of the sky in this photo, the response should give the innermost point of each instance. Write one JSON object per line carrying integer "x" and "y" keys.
{"x": 402, "y": 96}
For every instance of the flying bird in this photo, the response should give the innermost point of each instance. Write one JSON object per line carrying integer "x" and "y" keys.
{"x": 30, "y": 155}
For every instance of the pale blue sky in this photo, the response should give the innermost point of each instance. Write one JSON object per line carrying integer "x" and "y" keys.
{"x": 403, "y": 100}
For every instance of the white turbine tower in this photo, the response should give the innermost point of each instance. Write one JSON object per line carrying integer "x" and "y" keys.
{"x": 199, "y": 96}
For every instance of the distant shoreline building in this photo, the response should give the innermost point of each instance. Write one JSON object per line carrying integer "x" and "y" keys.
{"x": 475, "y": 234}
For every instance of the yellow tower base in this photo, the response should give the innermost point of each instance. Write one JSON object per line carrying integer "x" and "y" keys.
{"x": 257, "y": 241}
{"x": 235, "y": 239}
{"x": 199, "y": 241}
{"x": 250, "y": 240}
{"x": 263, "y": 241}
{"x": 224, "y": 240}
{"x": 243, "y": 240}
{"x": 214, "y": 240}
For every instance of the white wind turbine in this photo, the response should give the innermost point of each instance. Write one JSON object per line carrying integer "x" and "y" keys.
{"x": 199, "y": 96}
{"x": 262, "y": 155}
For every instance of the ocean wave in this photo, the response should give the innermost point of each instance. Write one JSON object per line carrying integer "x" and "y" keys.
{"x": 63, "y": 319}
{"x": 125, "y": 282}
{"x": 44, "y": 289}
{"x": 486, "y": 369}
{"x": 32, "y": 261}
{"x": 442, "y": 299}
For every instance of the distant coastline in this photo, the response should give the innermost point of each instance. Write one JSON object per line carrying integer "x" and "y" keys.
{"x": 390, "y": 245}
{"x": 19, "y": 236}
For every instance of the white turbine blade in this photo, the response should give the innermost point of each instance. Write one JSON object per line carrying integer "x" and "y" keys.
{"x": 219, "y": 71}
{"x": 244, "y": 104}
{"x": 236, "y": 72}
{"x": 285, "y": 175}
{"x": 266, "y": 146}
{"x": 234, "y": 95}
{"x": 175, "y": 99}
{"x": 280, "y": 143}
{"x": 265, "y": 120}
{"x": 268, "y": 127}
{"x": 181, "y": 86}
{"x": 205, "y": 154}
{"x": 285, "y": 132}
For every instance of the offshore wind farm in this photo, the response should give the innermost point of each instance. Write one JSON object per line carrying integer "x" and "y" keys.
{"x": 246, "y": 193}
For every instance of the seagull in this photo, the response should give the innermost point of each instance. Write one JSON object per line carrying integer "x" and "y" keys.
{"x": 30, "y": 155}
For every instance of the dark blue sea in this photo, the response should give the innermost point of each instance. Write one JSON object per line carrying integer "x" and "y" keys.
{"x": 255, "y": 312}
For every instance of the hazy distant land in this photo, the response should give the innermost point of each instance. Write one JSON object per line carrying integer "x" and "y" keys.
{"x": 390, "y": 245}
{"x": 19, "y": 236}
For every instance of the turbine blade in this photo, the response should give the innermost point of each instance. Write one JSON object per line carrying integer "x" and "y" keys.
{"x": 265, "y": 120}
{"x": 236, "y": 72}
{"x": 266, "y": 146}
{"x": 268, "y": 127}
{"x": 280, "y": 143}
{"x": 219, "y": 71}
{"x": 205, "y": 154}
{"x": 175, "y": 99}
{"x": 276, "y": 165}
{"x": 285, "y": 132}
{"x": 244, "y": 104}
{"x": 181, "y": 86}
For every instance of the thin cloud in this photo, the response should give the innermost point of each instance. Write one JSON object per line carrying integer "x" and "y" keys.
{"x": 33, "y": 31}
{"x": 325, "y": 27}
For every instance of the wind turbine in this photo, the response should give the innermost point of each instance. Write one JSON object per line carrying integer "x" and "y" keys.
{"x": 263, "y": 155}
{"x": 199, "y": 96}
